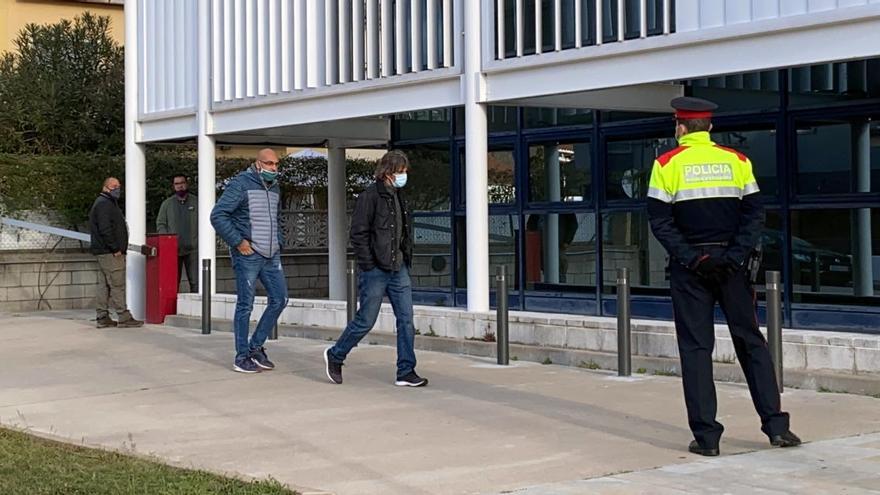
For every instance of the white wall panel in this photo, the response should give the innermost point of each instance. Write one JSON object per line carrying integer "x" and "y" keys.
{"x": 168, "y": 50}
{"x": 691, "y": 15}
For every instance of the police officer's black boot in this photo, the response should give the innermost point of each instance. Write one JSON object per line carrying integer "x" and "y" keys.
{"x": 787, "y": 439}
{"x": 696, "y": 448}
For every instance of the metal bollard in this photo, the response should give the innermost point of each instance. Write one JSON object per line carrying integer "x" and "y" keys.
{"x": 774, "y": 323}
{"x": 206, "y": 296}
{"x": 624, "y": 330}
{"x": 502, "y": 337}
{"x": 351, "y": 289}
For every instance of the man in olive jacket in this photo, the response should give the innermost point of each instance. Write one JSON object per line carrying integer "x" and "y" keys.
{"x": 109, "y": 243}
{"x": 179, "y": 214}
{"x": 382, "y": 238}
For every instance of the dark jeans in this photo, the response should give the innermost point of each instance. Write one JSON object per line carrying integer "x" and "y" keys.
{"x": 190, "y": 263}
{"x": 372, "y": 287}
{"x": 247, "y": 270}
{"x": 693, "y": 301}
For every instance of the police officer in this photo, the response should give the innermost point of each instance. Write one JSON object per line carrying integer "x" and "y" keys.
{"x": 703, "y": 208}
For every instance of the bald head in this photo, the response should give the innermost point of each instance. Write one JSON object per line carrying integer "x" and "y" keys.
{"x": 110, "y": 183}
{"x": 267, "y": 159}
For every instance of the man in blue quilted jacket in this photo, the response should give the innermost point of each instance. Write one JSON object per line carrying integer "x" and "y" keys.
{"x": 247, "y": 217}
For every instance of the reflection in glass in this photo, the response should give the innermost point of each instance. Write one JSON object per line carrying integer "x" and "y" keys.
{"x": 502, "y": 189}
{"x": 430, "y": 177}
{"x": 838, "y": 156}
{"x": 732, "y": 92}
{"x": 560, "y": 249}
{"x": 503, "y": 248}
{"x": 628, "y": 242}
{"x": 536, "y": 117}
{"x": 432, "y": 252}
{"x": 760, "y": 147}
{"x": 834, "y": 82}
{"x": 629, "y": 166}
{"x": 835, "y": 255}
{"x": 422, "y": 124}
{"x": 560, "y": 172}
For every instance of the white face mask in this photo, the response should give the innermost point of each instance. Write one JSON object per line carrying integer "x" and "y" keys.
{"x": 399, "y": 180}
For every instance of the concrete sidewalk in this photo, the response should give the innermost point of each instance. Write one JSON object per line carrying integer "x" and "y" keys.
{"x": 477, "y": 428}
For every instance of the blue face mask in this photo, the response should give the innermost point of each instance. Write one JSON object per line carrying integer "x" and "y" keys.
{"x": 116, "y": 193}
{"x": 268, "y": 175}
{"x": 399, "y": 180}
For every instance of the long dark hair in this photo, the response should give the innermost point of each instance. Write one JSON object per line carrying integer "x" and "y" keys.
{"x": 393, "y": 162}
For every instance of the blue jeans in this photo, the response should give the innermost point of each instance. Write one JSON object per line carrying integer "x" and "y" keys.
{"x": 247, "y": 270}
{"x": 373, "y": 286}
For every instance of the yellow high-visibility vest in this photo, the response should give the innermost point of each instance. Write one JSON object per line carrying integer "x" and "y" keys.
{"x": 700, "y": 169}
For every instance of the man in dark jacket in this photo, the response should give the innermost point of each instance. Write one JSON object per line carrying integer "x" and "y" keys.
{"x": 247, "y": 217}
{"x": 109, "y": 244}
{"x": 382, "y": 238}
{"x": 179, "y": 214}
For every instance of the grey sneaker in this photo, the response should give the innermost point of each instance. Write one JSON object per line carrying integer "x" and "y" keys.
{"x": 128, "y": 321}
{"x": 104, "y": 322}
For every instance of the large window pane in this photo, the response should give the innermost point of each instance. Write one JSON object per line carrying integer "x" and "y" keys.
{"x": 502, "y": 175}
{"x": 628, "y": 242}
{"x": 838, "y": 156}
{"x": 536, "y": 117}
{"x": 560, "y": 172}
{"x": 503, "y": 248}
{"x": 429, "y": 178}
{"x": 560, "y": 251}
{"x": 422, "y": 124}
{"x": 834, "y": 82}
{"x": 432, "y": 252}
{"x": 629, "y": 165}
{"x": 760, "y": 147}
{"x": 835, "y": 255}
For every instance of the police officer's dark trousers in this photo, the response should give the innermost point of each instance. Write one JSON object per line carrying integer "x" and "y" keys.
{"x": 693, "y": 299}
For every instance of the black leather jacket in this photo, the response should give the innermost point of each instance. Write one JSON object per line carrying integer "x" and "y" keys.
{"x": 373, "y": 232}
{"x": 107, "y": 225}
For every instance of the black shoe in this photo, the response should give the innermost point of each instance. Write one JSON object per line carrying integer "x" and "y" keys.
{"x": 334, "y": 370}
{"x": 246, "y": 365}
{"x": 411, "y": 380}
{"x": 261, "y": 359}
{"x": 695, "y": 448}
{"x": 105, "y": 322}
{"x": 787, "y": 439}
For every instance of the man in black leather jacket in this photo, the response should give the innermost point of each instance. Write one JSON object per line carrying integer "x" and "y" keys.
{"x": 382, "y": 238}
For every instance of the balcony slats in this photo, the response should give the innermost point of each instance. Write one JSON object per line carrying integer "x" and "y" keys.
{"x": 448, "y": 34}
{"x": 300, "y": 45}
{"x": 387, "y": 26}
{"x": 372, "y": 39}
{"x": 415, "y": 35}
{"x": 431, "y": 17}
{"x": 357, "y": 33}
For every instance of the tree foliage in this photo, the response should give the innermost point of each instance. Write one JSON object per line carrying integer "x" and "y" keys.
{"x": 62, "y": 89}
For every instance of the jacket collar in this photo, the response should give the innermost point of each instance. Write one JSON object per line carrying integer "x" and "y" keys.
{"x": 695, "y": 139}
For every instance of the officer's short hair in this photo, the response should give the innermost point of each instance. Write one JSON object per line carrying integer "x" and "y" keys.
{"x": 175, "y": 176}
{"x": 393, "y": 162}
{"x": 696, "y": 125}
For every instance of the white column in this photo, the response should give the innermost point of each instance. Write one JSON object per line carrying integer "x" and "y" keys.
{"x": 135, "y": 168}
{"x": 476, "y": 160}
{"x": 206, "y": 150}
{"x": 337, "y": 222}
{"x": 863, "y": 274}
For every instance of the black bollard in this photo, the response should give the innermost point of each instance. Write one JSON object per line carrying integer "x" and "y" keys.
{"x": 624, "y": 329}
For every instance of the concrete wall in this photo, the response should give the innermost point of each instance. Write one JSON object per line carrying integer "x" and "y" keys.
{"x": 849, "y": 353}
{"x": 32, "y": 281}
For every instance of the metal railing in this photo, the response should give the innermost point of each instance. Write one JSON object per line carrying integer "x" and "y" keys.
{"x": 557, "y": 25}
{"x": 275, "y": 47}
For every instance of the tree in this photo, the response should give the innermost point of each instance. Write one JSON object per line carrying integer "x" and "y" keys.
{"x": 62, "y": 90}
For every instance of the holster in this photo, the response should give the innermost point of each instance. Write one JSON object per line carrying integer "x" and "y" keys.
{"x": 754, "y": 263}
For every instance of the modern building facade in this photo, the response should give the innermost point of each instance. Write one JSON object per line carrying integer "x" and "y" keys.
{"x": 532, "y": 126}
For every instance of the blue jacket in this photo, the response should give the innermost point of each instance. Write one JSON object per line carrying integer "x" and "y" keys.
{"x": 250, "y": 209}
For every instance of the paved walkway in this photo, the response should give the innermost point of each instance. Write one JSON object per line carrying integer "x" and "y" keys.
{"x": 477, "y": 429}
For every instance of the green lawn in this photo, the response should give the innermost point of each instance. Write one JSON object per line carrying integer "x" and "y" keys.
{"x": 34, "y": 466}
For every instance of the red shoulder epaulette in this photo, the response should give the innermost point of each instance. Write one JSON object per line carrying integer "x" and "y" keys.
{"x": 742, "y": 158}
{"x": 665, "y": 157}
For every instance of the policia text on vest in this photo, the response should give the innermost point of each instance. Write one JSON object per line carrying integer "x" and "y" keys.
{"x": 704, "y": 210}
